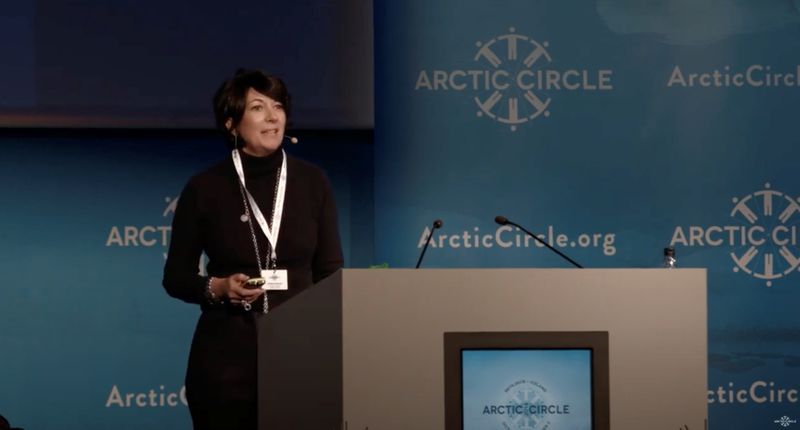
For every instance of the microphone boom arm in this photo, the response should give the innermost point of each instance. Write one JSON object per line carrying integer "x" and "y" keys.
{"x": 505, "y": 221}
{"x": 436, "y": 225}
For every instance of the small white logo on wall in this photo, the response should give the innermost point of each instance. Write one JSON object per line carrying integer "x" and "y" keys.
{"x": 514, "y": 80}
{"x": 144, "y": 235}
{"x": 149, "y": 235}
{"x": 153, "y": 398}
{"x": 758, "y": 392}
{"x": 507, "y": 236}
{"x": 169, "y": 208}
{"x": 764, "y": 240}
{"x": 785, "y": 421}
{"x": 753, "y": 76}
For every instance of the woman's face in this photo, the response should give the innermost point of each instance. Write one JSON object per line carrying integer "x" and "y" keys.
{"x": 262, "y": 125}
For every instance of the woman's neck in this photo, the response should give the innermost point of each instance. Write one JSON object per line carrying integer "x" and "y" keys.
{"x": 259, "y": 152}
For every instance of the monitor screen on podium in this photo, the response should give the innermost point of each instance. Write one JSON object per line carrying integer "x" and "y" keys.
{"x": 526, "y": 380}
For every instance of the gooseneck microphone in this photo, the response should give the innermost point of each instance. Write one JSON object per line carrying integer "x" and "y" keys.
{"x": 292, "y": 139}
{"x": 436, "y": 224}
{"x": 505, "y": 221}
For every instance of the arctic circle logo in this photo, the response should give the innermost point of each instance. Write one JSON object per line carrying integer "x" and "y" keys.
{"x": 150, "y": 235}
{"x": 774, "y": 236}
{"x": 514, "y": 80}
{"x": 763, "y": 239}
{"x": 528, "y": 395}
{"x": 144, "y": 235}
{"x": 525, "y": 406}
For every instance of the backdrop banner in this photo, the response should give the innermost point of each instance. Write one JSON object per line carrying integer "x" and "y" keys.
{"x": 612, "y": 129}
{"x": 90, "y": 339}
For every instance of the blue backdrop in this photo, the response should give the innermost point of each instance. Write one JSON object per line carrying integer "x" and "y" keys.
{"x": 89, "y": 338}
{"x": 613, "y": 128}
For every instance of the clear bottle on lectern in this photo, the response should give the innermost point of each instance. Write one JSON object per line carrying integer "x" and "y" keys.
{"x": 669, "y": 262}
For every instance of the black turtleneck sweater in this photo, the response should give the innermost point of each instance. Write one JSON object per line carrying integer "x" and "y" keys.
{"x": 208, "y": 219}
{"x": 221, "y": 374}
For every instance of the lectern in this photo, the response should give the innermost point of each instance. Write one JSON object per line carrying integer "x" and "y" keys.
{"x": 364, "y": 349}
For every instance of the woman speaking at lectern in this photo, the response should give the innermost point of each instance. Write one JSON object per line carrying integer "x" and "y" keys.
{"x": 267, "y": 223}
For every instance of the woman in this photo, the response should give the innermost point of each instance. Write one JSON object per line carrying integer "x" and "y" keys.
{"x": 235, "y": 212}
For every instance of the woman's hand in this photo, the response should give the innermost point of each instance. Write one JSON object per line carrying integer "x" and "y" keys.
{"x": 233, "y": 289}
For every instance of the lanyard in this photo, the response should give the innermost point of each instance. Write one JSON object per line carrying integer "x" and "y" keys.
{"x": 277, "y": 212}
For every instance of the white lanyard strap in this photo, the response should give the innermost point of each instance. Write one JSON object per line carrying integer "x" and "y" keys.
{"x": 277, "y": 212}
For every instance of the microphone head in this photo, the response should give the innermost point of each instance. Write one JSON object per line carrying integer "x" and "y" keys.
{"x": 437, "y": 224}
{"x": 293, "y": 139}
{"x": 500, "y": 219}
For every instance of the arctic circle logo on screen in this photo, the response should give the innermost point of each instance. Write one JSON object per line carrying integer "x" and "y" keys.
{"x": 526, "y": 406}
{"x": 514, "y": 79}
{"x": 763, "y": 239}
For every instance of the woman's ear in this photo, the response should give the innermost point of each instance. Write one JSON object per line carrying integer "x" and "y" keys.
{"x": 229, "y": 126}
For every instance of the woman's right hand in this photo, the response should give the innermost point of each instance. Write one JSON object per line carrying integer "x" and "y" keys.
{"x": 233, "y": 289}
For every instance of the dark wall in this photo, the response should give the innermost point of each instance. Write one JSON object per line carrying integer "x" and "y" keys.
{"x": 98, "y": 63}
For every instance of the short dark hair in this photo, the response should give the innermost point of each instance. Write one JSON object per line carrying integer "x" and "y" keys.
{"x": 230, "y": 99}
{"x": 5, "y": 425}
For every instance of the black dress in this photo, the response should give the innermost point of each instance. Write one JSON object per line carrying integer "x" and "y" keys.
{"x": 221, "y": 374}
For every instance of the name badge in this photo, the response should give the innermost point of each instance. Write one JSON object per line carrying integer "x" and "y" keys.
{"x": 276, "y": 279}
